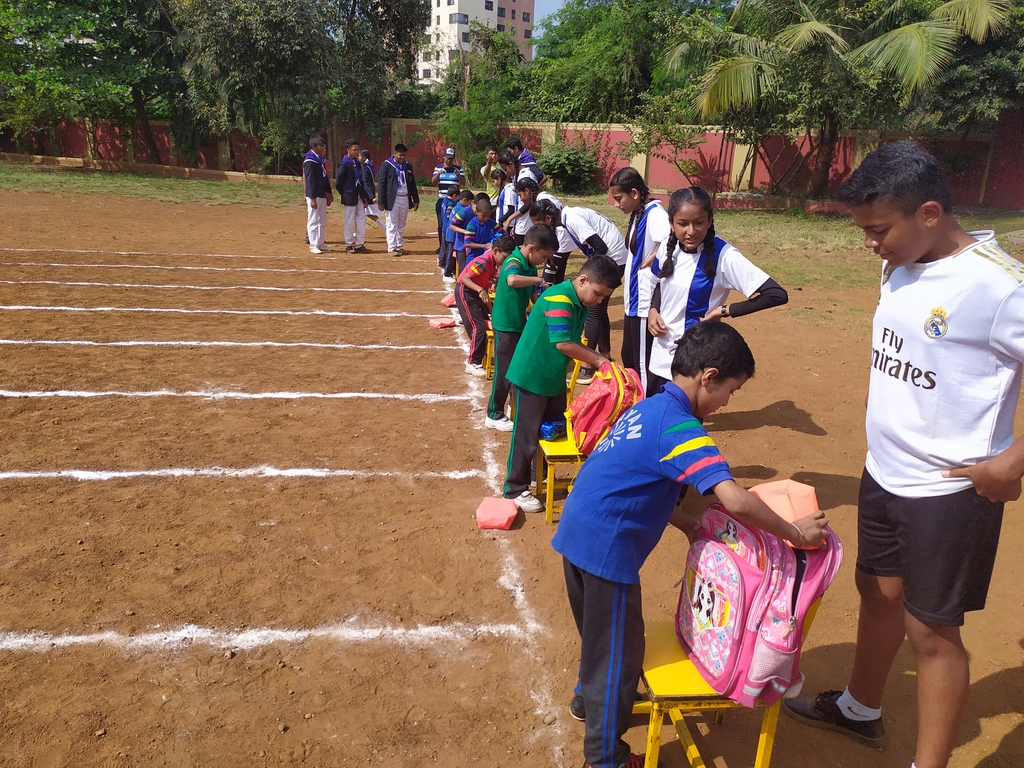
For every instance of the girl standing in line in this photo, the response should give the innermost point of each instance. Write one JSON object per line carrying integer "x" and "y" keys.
{"x": 695, "y": 271}
{"x": 648, "y": 228}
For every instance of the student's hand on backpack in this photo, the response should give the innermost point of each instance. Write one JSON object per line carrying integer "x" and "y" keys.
{"x": 811, "y": 529}
{"x": 655, "y": 324}
{"x": 993, "y": 479}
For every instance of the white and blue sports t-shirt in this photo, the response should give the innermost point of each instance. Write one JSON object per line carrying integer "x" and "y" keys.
{"x": 524, "y": 223}
{"x": 651, "y": 228}
{"x": 626, "y": 490}
{"x": 688, "y": 294}
{"x": 947, "y": 347}
{"x": 580, "y": 223}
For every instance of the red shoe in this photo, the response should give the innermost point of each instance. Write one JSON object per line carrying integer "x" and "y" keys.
{"x": 635, "y": 761}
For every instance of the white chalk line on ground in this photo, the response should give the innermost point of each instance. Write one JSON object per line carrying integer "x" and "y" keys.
{"x": 96, "y": 475}
{"x": 511, "y": 579}
{"x": 94, "y": 251}
{"x": 192, "y": 268}
{"x": 190, "y": 635}
{"x": 273, "y": 344}
{"x": 213, "y": 287}
{"x": 229, "y": 395}
{"x": 178, "y": 311}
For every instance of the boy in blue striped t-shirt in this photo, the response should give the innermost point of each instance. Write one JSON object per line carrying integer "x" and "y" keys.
{"x": 625, "y": 495}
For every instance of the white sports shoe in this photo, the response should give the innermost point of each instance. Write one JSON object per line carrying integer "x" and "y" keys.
{"x": 449, "y": 280}
{"x": 475, "y": 370}
{"x": 504, "y": 424}
{"x": 527, "y": 502}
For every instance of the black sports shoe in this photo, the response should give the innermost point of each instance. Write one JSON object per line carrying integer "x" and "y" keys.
{"x": 823, "y": 712}
{"x": 577, "y": 708}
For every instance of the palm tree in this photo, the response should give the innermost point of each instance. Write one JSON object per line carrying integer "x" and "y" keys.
{"x": 826, "y": 48}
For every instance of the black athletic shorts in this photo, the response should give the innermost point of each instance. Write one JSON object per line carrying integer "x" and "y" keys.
{"x": 943, "y": 547}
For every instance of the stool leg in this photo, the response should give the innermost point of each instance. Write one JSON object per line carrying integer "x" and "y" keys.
{"x": 692, "y": 754}
{"x": 654, "y": 736}
{"x": 766, "y": 741}
{"x": 549, "y": 494}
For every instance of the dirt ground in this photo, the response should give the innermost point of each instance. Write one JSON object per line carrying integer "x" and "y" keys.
{"x": 249, "y": 617}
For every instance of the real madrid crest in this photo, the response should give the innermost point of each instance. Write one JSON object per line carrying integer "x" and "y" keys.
{"x": 935, "y": 326}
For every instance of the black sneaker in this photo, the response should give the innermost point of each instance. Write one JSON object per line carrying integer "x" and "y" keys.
{"x": 577, "y": 708}
{"x": 586, "y": 375}
{"x": 823, "y": 712}
{"x": 360, "y": 249}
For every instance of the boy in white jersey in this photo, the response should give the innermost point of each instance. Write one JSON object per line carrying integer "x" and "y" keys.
{"x": 946, "y": 361}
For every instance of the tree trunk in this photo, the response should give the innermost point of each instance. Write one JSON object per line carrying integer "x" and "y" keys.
{"x": 828, "y": 137}
{"x": 147, "y": 132}
{"x": 90, "y": 140}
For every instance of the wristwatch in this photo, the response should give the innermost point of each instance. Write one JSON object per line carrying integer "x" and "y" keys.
{"x": 724, "y": 310}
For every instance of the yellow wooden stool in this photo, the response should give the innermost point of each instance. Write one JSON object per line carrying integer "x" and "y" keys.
{"x": 488, "y": 361}
{"x": 674, "y": 687}
{"x": 554, "y": 453}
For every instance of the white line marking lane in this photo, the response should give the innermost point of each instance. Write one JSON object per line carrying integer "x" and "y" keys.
{"x": 95, "y": 475}
{"x": 190, "y": 635}
{"x": 175, "y": 310}
{"x": 228, "y": 395}
{"x": 166, "y": 286}
{"x": 278, "y": 270}
{"x": 273, "y": 344}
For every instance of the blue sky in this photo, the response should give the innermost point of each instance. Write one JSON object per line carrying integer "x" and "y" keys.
{"x": 542, "y": 8}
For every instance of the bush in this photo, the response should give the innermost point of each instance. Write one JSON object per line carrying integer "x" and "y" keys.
{"x": 572, "y": 166}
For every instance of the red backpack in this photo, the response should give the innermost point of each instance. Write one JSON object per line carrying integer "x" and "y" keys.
{"x": 592, "y": 415}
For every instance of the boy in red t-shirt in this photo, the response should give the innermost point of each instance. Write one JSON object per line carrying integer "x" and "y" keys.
{"x": 473, "y": 299}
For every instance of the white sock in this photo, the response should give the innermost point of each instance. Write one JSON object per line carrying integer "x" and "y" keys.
{"x": 854, "y": 710}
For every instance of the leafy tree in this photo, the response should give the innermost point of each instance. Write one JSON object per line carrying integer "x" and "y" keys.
{"x": 480, "y": 94}
{"x": 833, "y": 58}
{"x": 982, "y": 81}
{"x": 661, "y": 128}
{"x": 596, "y": 58}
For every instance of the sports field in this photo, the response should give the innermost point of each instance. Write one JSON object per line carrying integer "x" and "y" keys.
{"x": 237, "y": 491}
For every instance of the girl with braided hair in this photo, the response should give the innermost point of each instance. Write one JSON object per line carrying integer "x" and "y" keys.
{"x": 695, "y": 272}
{"x": 648, "y": 229}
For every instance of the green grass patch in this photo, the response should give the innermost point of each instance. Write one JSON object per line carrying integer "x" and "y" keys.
{"x": 54, "y": 179}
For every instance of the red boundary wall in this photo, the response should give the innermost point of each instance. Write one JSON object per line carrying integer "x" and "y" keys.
{"x": 988, "y": 170}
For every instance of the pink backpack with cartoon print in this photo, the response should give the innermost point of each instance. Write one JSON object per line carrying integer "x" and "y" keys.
{"x": 742, "y": 606}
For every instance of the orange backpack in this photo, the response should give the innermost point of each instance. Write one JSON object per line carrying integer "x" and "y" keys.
{"x": 592, "y": 415}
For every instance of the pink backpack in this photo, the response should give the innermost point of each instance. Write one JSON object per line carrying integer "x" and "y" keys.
{"x": 742, "y": 606}
{"x": 591, "y": 416}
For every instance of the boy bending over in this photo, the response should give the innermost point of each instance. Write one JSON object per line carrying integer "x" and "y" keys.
{"x": 550, "y": 339}
{"x": 624, "y": 496}
{"x": 947, "y": 346}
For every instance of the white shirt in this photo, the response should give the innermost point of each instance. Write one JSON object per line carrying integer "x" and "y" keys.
{"x": 733, "y": 273}
{"x": 524, "y": 223}
{"x": 947, "y": 346}
{"x": 580, "y": 223}
{"x": 638, "y": 284}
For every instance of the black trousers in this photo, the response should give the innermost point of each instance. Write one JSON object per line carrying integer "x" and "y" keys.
{"x": 654, "y": 383}
{"x": 554, "y": 270}
{"x": 504, "y": 347}
{"x": 598, "y": 328}
{"x": 636, "y": 345}
{"x": 440, "y": 231}
{"x": 474, "y": 318}
{"x": 532, "y": 410}
{"x": 449, "y": 258}
{"x": 609, "y": 617}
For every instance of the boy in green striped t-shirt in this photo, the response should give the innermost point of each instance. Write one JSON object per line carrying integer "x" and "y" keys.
{"x": 516, "y": 282}
{"x": 551, "y": 337}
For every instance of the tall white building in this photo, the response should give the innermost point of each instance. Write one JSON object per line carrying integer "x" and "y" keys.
{"x": 449, "y": 30}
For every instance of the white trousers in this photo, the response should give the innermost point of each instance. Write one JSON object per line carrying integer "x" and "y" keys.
{"x": 316, "y": 221}
{"x": 395, "y": 225}
{"x": 355, "y": 222}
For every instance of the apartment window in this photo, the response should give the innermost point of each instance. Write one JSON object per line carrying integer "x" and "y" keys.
{"x": 501, "y": 27}
{"x": 488, "y": 5}
{"x": 465, "y": 37}
{"x": 527, "y": 33}
{"x": 451, "y": 2}
{"x": 453, "y": 56}
{"x": 439, "y": 21}
{"x": 458, "y": 18}
{"x": 501, "y": 12}
{"x": 526, "y": 16}
{"x": 513, "y": 14}
{"x": 426, "y": 73}
{"x": 438, "y": 3}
